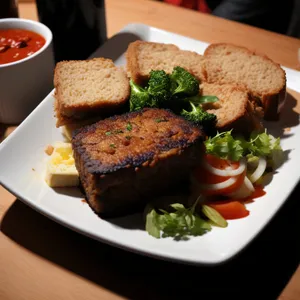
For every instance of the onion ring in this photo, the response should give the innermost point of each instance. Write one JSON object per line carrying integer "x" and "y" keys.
{"x": 219, "y": 186}
{"x": 228, "y": 171}
{"x": 245, "y": 190}
{"x": 259, "y": 171}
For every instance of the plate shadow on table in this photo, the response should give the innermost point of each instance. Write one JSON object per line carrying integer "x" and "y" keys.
{"x": 264, "y": 268}
{"x": 2, "y": 131}
{"x": 289, "y": 118}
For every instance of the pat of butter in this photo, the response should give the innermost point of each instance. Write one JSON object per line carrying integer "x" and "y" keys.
{"x": 61, "y": 170}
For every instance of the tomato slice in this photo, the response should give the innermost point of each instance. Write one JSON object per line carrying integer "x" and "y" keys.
{"x": 230, "y": 210}
{"x": 202, "y": 175}
{"x": 227, "y": 190}
{"x": 205, "y": 178}
{"x": 219, "y": 163}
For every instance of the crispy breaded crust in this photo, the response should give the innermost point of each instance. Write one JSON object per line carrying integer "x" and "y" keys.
{"x": 93, "y": 143}
{"x": 128, "y": 158}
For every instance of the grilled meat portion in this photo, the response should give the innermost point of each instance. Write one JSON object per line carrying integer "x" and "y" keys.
{"x": 125, "y": 160}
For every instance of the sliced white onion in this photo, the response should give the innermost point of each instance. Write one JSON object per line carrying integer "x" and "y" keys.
{"x": 245, "y": 190}
{"x": 219, "y": 186}
{"x": 228, "y": 171}
{"x": 259, "y": 171}
{"x": 249, "y": 184}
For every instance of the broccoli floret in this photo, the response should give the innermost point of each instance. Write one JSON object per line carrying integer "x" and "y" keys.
{"x": 139, "y": 97}
{"x": 159, "y": 86}
{"x": 155, "y": 94}
{"x": 182, "y": 82}
{"x": 200, "y": 117}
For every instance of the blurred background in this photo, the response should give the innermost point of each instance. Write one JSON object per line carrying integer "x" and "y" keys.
{"x": 68, "y": 19}
{"x": 277, "y": 16}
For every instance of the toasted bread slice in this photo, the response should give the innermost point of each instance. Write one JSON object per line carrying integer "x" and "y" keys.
{"x": 233, "y": 110}
{"x": 142, "y": 57}
{"x": 87, "y": 89}
{"x": 265, "y": 79}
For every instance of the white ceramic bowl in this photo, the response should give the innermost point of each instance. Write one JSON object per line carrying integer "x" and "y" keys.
{"x": 25, "y": 83}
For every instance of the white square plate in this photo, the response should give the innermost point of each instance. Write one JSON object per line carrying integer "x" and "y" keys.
{"x": 22, "y": 166}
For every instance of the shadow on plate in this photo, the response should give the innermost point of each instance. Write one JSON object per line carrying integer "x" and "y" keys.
{"x": 134, "y": 221}
{"x": 130, "y": 221}
{"x": 263, "y": 268}
{"x": 69, "y": 191}
{"x": 289, "y": 118}
{"x": 137, "y": 220}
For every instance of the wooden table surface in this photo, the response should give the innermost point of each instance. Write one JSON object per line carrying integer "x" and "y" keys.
{"x": 40, "y": 259}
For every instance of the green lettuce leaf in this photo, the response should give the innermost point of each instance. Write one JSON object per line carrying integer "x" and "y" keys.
{"x": 152, "y": 222}
{"x": 180, "y": 223}
{"x": 259, "y": 144}
{"x": 277, "y": 155}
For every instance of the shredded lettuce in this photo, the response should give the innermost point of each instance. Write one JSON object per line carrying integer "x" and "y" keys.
{"x": 225, "y": 146}
{"x": 259, "y": 144}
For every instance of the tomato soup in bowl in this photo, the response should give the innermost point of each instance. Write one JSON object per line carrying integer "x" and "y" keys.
{"x": 26, "y": 67}
{"x": 16, "y": 44}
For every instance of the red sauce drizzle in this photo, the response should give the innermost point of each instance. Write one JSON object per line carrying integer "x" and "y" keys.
{"x": 233, "y": 209}
{"x": 258, "y": 192}
{"x": 16, "y": 44}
